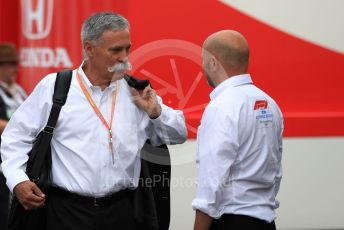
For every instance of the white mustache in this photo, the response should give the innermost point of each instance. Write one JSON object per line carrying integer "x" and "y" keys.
{"x": 120, "y": 67}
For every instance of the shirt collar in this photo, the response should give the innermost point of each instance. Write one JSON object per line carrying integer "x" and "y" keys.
{"x": 87, "y": 81}
{"x": 231, "y": 83}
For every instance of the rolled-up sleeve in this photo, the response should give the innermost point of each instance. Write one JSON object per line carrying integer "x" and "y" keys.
{"x": 217, "y": 148}
{"x": 169, "y": 127}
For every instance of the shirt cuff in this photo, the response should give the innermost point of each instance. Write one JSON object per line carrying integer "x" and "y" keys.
{"x": 163, "y": 113}
{"x": 162, "y": 117}
{"x": 16, "y": 177}
{"x": 203, "y": 206}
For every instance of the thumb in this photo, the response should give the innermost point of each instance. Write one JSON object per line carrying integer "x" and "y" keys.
{"x": 135, "y": 96}
{"x": 134, "y": 92}
{"x": 37, "y": 191}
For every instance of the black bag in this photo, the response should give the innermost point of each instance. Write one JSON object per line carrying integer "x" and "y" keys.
{"x": 38, "y": 167}
{"x": 151, "y": 201}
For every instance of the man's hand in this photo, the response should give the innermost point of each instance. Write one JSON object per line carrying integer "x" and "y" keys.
{"x": 202, "y": 221}
{"x": 3, "y": 124}
{"x": 147, "y": 100}
{"x": 29, "y": 195}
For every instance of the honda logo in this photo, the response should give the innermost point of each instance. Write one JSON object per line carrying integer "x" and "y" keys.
{"x": 37, "y": 18}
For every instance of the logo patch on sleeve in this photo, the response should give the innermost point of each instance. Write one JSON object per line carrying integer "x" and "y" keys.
{"x": 263, "y": 115}
{"x": 260, "y": 104}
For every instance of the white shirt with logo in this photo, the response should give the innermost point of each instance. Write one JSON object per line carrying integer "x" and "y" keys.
{"x": 239, "y": 150}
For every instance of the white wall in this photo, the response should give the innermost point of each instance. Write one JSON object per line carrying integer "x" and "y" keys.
{"x": 312, "y": 189}
{"x": 316, "y": 21}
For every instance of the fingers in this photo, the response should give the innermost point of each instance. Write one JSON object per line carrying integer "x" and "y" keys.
{"x": 37, "y": 191}
{"x": 148, "y": 93}
{"x": 33, "y": 203}
{"x": 29, "y": 195}
{"x": 147, "y": 100}
{"x": 136, "y": 97}
{"x": 134, "y": 92}
{"x": 145, "y": 94}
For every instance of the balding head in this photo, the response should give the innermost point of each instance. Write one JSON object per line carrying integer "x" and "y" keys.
{"x": 230, "y": 48}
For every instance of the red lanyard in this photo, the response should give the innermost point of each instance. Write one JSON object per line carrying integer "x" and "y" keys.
{"x": 95, "y": 108}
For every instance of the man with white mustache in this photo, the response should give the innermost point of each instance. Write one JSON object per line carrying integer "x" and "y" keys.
{"x": 120, "y": 67}
{"x": 99, "y": 134}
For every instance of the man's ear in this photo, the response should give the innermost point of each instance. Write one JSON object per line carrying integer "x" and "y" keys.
{"x": 213, "y": 64}
{"x": 218, "y": 66}
{"x": 88, "y": 49}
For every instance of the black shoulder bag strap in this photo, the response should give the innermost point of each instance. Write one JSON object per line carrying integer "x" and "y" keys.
{"x": 61, "y": 89}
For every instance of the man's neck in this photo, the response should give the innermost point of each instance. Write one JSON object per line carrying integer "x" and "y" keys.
{"x": 95, "y": 78}
{"x": 227, "y": 75}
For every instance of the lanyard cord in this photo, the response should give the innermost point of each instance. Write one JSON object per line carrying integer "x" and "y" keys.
{"x": 96, "y": 109}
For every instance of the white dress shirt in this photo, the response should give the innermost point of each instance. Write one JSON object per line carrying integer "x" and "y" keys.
{"x": 82, "y": 161}
{"x": 239, "y": 150}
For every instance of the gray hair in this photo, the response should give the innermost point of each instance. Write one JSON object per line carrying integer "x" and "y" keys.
{"x": 94, "y": 26}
